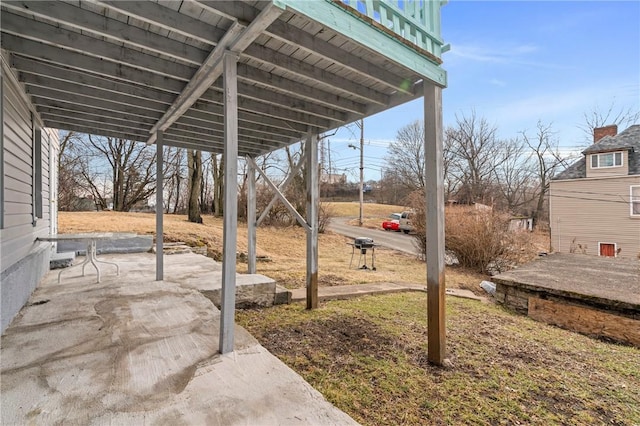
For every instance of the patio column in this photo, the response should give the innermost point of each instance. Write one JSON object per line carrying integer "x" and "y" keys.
{"x": 230, "y": 219}
{"x": 434, "y": 174}
{"x": 251, "y": 217}
{"x": 159, "y": 206}
{"x": 312, "y": 220}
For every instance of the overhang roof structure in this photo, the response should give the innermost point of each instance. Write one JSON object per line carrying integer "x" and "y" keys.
{"x": 126, "y": 69}
{"x": 240, "y": 77}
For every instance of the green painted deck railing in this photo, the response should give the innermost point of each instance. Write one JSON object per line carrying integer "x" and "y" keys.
{"x": 417, "y": 21}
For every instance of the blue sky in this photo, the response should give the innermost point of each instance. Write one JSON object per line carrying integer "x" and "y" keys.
{"x": 516, "y": 62}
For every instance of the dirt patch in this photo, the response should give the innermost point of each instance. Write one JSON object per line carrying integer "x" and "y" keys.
{"x": 338, "y": 337}
{"x": 328, "y": 280}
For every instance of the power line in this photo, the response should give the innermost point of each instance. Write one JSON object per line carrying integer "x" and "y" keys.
{"x": 590, "y": 199}
{"x": 583, "y": 192}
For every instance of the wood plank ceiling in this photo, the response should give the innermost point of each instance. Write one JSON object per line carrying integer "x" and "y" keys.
{"x": 115, "y": 68}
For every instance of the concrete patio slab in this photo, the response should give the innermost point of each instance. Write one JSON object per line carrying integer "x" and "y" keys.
{"x": 132, "y": 350}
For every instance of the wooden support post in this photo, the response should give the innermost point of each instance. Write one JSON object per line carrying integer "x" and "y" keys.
{"x": 230, "y": 220}
{"x": 312, "y": 220}
{"x": 159, "y": 207}
{"x": 251, "y": 217}
{"x": 434, "y": 174}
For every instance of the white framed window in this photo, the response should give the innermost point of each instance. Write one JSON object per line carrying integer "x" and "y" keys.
{"x": 605, "y": 160}
{"x": 634, "y": 200}
{"x": 607, "y": 249}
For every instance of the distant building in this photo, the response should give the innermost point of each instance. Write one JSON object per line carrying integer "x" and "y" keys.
{"x": 333, "y": 178}
{"x": 595, "y": 203}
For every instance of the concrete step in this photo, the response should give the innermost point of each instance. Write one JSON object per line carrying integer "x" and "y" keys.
{"x": 283, "y": 296}
{"x": 173, "y": 248}
{"x": 62, "y": 260}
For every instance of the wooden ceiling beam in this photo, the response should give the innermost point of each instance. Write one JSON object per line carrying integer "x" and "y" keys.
{"x": 293, "y": 35}
{"x": 169, "y": 19}
{"x": 132, "y": 76}
{"x": 100, "y": 25}
{"x": 160, "y": 66}
{"x": 172, "y": 20}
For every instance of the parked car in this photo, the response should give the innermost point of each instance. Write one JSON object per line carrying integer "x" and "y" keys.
{"x": 393, "y": 223}
{"x": 405, "y": 222}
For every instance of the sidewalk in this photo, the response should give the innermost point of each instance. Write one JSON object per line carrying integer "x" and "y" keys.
{"x": 351, "y": 291}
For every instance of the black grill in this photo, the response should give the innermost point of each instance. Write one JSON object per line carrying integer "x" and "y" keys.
{"x": 363, "y": 243}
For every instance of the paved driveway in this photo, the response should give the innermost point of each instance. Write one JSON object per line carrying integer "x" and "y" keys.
{"x": 390, "y": 239}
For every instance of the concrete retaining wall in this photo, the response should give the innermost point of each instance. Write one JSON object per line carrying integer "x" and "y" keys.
{"x": 251, "y": 291}
{"x": 514, "y": 298}
{"x": 19, "y": 281}
{"x": 593, "y": 318}
{"x": 139, "y": 244}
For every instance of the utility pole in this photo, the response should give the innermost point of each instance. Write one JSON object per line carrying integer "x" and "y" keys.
{"x": 329, "y": 155}
{"x": 361, "y": 169}
{"x": 361, "y": 125}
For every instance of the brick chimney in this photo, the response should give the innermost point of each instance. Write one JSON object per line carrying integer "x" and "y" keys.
{"x": 601, "y": 132}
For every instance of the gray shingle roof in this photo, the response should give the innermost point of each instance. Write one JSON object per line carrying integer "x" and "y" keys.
{"x": 575, "y": 171}
{"x": 628, "y": 140}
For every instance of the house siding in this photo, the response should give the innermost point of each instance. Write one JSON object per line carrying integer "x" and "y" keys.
{"x": 585, "y": 212}
{"x": 609, "y": 171}
{"x": 23, "y": 259}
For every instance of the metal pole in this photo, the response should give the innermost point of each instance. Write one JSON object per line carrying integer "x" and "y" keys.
{"x": 312, "y": 220}
{"x": 361, "y": 170}
{"x": 159, "y": 207}
{"x": 251, "y": 217}
{"x": 230, "y": 217}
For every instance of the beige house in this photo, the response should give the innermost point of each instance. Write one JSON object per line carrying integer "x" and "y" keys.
{"x": 595, "y": 203}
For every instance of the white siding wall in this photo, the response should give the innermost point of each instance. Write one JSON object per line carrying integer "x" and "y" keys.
{"x": 23, "y": 259}
{"x": 589, "y": 211}
{"x": 18, "y": 237}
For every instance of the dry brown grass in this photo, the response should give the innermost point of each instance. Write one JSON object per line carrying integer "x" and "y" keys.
{"x": 372, "y": 214}
{"x": 369, "y": 210}
{"x": 285, "y": 249}
{"x": 368, "y": 357}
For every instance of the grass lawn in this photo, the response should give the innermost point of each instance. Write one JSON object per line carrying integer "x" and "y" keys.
{"x": 285, "y": 248}
{"x": 368, "y": 357}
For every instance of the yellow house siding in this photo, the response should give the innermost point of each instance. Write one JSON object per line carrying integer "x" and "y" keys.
{"x": 585, "y": 212}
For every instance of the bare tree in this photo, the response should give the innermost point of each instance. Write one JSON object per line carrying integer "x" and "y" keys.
{"x": 406, "y": 156}
{"x": 475, "y": 154}
{"x": 547, "y": 160}
{"x": 217, "y": 173}
{"x": 69, "y": 169}
{"x": 451, "y": 181}
{"x": 515, "y": 175}
{"x": 194, "y": 164}
{"x": 392, "y": 188}
{"x": 297, "y": 189}
{"x": 174, "y": 176}
{"x": 597, "y": 117}
{"x": 131, "y": 171}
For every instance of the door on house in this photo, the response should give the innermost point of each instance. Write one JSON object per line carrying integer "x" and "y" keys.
{"x": 607, "y": 249}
